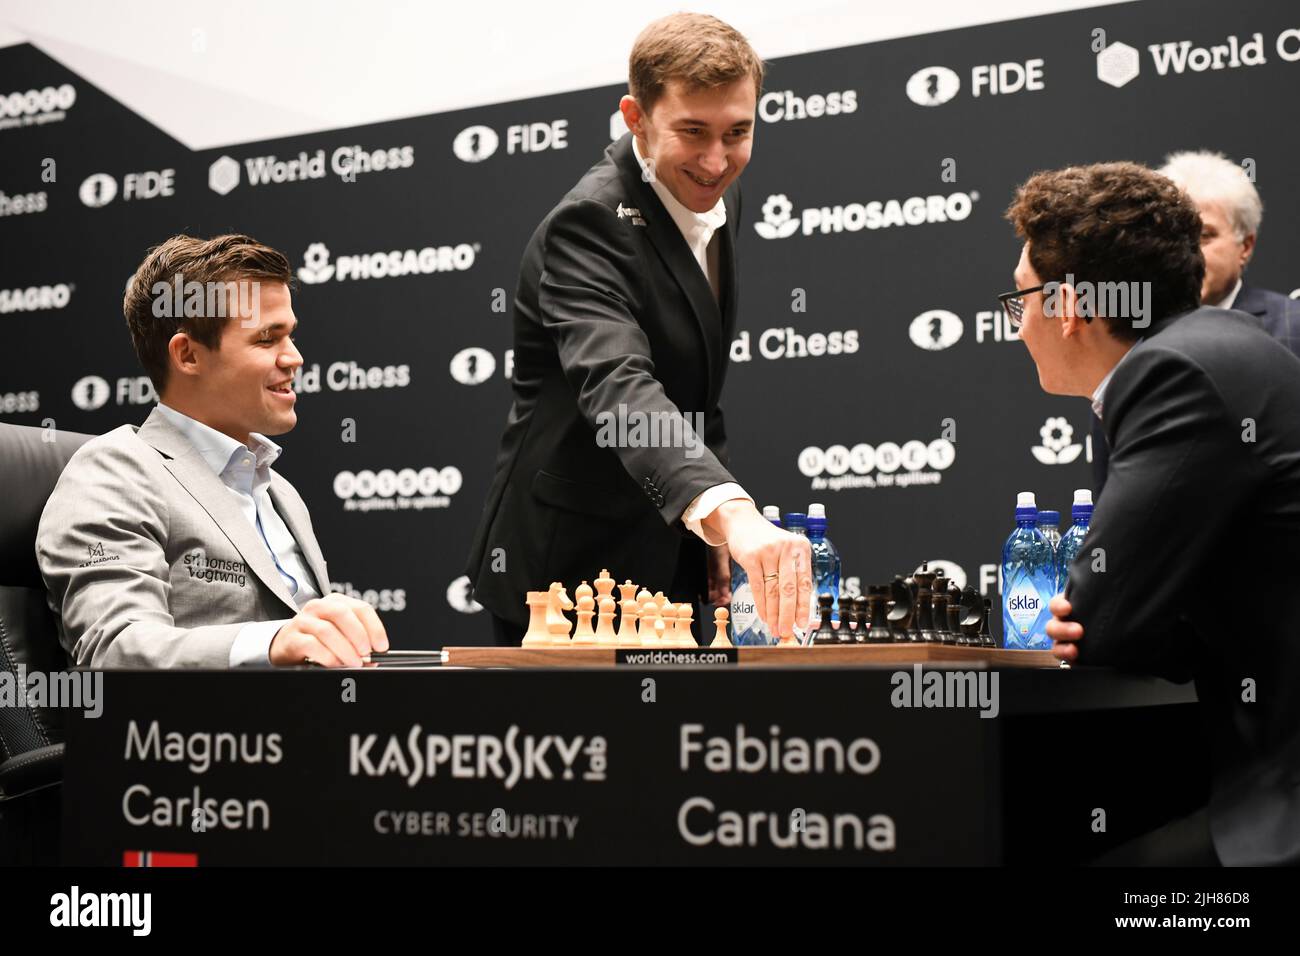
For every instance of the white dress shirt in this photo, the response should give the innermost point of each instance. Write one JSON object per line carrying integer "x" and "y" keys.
{"x": 245, "y": 470}
{"x": 698, "y": 229}
{"x": 1231, "y": 296}
{"x": 1099, "y": 393}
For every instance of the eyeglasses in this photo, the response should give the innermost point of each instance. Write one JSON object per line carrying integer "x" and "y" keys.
{"x": 1013, "y": 305}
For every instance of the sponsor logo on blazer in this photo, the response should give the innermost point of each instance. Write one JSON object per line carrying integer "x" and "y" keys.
{"x": 211, "y": 570}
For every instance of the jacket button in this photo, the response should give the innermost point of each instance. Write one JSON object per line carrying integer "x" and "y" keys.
{"x": 658, "y": 499}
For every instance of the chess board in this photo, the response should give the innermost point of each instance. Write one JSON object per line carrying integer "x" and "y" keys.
{"x": 790, "y": 655}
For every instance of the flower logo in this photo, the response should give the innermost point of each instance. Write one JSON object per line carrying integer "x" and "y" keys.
{"x": 1058, "y": 447}
{"x": 777, "y": 222}
{"x": 316, "y": 264}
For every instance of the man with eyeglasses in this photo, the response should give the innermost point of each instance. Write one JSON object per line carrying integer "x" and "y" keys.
{"x": 1202, "y": 412}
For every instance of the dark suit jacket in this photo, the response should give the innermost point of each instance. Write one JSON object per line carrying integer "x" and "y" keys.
{"x": 611, "y": 309}
{"x": 1276, "y": 314}
{"x": 1200, "y": 534}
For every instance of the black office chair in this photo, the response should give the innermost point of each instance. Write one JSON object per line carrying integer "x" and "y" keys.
{"x": 31, "y": 738}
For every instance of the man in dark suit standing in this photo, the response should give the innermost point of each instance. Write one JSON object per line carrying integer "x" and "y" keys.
{"x": 615, "y": 453}
{"x": 1200, "y": 524}
{"x": 1231, "y": 212}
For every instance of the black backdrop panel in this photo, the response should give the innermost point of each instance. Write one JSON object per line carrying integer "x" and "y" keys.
{"x": 870, "y": 372}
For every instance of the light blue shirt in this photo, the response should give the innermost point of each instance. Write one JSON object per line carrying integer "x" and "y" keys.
{"x": 1099, "y": 393}
{"x": 245, "y": 470}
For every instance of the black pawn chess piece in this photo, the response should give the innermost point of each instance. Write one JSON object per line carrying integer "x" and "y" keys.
{"x": 954, "y": 626}
{"x": 825, "y": 633}
{"x": 861, "y": 612}
{"x": 986, "y": 635}
{"x": 876, "y": 627}
{"x": 900, "y": 611}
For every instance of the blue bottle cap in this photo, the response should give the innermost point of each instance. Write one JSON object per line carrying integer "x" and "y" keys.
{"x": 796, "y": 519}
{"x": 1050, "y": 517}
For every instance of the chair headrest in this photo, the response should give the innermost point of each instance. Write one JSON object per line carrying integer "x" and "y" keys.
{"x": 31, "y": 460}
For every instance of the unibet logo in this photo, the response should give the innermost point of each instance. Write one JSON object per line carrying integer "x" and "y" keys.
{"x": 389, "y": 490}
{"x": 36, "y": 107}
{"x": 473, "y": 366}
{"x": 475, "y": 143}
{"x": 460, "y": 596}
{"x": 316, "y": 265}
{"x": 935, "y": 330}
{"x": 1118, "y": 64}
{"x": 779, "y": 223}
{"x": 35, "y": 298}
{"x": 933, "y": 86}
{"x": 884, "y": 465}
{"x": 1058, "y": 447}
{"x": 90, "y": 393}
{"x": 778, "y": 107}
{"x": 223, "y": 175}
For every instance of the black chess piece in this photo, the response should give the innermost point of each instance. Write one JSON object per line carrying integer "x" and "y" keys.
{"x": 972, "y": 614}
{"x": 900, "y": 611}
{"x": 825, "y": 633}
{"x": 986, "y": 635}
{"x": 954, "y": 615}
{"x": 939, "y": 608}
{"x": 877, "y": 627}
{"x": 861, "y": 611}
{"x": 923, "y": 621}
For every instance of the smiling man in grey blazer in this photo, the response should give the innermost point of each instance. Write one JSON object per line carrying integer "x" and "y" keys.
{"x": 174, "y": 544}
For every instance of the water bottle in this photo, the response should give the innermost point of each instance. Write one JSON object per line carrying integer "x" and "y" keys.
{"x": 1081, "y": 512}
{"x": 825, "y": 564}
{"x": 1028, "y": 581}
{"x": 1049, "y": 522}
{"x": 746, "y": 626}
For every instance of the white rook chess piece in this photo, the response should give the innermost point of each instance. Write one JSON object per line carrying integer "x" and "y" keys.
{"x": 538, "y": 635}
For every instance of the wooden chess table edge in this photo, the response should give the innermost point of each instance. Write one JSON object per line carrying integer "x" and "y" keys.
{"x": 790, "y": 655}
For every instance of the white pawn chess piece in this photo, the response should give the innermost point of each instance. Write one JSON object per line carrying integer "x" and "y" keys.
{"x": 645, "y": 626}
{"x": 627, "y": 636}
{"x": 684, "y": 636}
{"x": 668, "y": 614}
{"x": 720, "y": 616}
{"x": 537, "y": 635}
{"x": 584, "y": 636}
{"x": 605, "y": 636}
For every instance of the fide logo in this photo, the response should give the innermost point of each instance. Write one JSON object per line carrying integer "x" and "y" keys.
{"x": 1059, "y": 446}
{"x": 316, "y": 264}
{"x": 90, "y": 393}
{"x": 473, "y": 366}
{"x": 474, "y": 144}
{"x": 1118, "y": 64}
{"x": 933, "y": 86}
{"x": 778, "y": 221}
{"x": 935, "y": 330}
{"x": 98, "y": 190}
{"x": 459, "y": 596}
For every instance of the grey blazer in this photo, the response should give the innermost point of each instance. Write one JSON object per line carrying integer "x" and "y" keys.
{"x": 148, "y": 560}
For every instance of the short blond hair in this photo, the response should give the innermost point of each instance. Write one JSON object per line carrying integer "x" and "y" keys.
{"x": 699, "y": 50}
{"x": 1213, "y": 177}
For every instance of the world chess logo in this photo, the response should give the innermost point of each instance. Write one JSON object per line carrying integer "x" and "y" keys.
{"x": 98, "y": 189}
{"x": 474, "y": 144}
{"x": 223, "y": 175}
{"x": 1058, "y": 447}
{"x": 315, "y": 264}
{"x": 933, "y": 86}
{"x": 459, "y": 596}
{"x": 778, "y": 221}
{"x": 630, "y": 212}
{"x": 90, "y": 393}
{"x": 473, "y": 366}
{"x": 935, "y": 330}
{"x": 1118, "y": 64}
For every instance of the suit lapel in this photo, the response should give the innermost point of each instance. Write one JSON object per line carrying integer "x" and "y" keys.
{"x": 299, "y": 524}
{"x": 676, "y": 254}
{"x": 194, "y": 475}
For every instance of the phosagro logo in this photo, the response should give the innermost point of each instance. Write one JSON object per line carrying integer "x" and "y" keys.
{"x": 933, "y": 86}
{"x": 92, "y": 392}
{"x": 389, "y": 490}
{"x": 779, "y": 221}
{"x": 36, "y": 107}
{"x": 472, "y": 366}
{"x": 880, "y": 466}
{"x": 1058, "y": 447}
{"x": 935, "y": 330}
{"x": 460, "y": 595}
{"x": 35, "y": 298}
{"x": 316, "y": 265}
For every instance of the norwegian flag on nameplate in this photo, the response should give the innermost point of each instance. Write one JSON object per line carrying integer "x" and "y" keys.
{"x": 157, "y": 858}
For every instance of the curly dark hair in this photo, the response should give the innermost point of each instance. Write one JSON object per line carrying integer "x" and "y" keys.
{"x": 1114, "y": 222}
